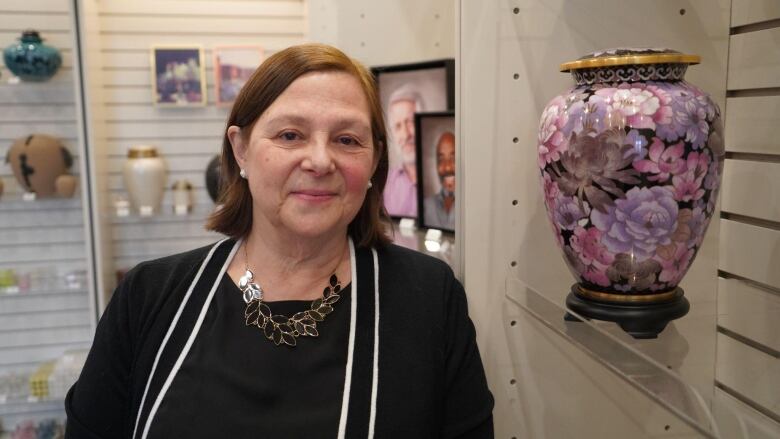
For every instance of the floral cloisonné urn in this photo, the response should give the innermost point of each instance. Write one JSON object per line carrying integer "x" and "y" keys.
{"x": 631, "y": 160}
{"x": 30, "y": 59}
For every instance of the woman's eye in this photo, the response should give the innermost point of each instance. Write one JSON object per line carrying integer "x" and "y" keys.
{"x": 346, "y": 140}
{"x": 289, "y": 136}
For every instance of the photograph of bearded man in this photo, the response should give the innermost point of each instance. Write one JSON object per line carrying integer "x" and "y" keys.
{"x": 439, "y": 208}
{"x": 436, "y": 169}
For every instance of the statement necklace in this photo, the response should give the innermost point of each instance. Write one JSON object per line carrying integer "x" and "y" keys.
{"x": 277, "y": 327}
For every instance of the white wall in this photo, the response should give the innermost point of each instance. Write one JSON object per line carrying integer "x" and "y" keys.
{"x": 385, "y": 32}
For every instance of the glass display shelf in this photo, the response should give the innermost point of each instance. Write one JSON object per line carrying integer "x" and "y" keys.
{"x": 16, "y": 405}
{"x": 18, "y": 410}
{"x": 23, "y": 202}
{"x": 605, "y": 343}
{"x": 7, "y": 293}
{"x": 164, "y": 214}
{"x": 21, "y": 284}
{"x": 31, "y": 414}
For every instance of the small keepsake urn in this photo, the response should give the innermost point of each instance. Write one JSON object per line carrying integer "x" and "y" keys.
{"x": 144, "y": 175}
{"x": 30, "y": 59}
{"x": 631, "y": 160}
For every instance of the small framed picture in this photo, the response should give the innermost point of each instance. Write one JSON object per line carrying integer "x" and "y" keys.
{"x": 435, "y": 140}
{"x": 233, "y": 66}
{"x": 178, "y": 76}
{"x": 404, "y": 90}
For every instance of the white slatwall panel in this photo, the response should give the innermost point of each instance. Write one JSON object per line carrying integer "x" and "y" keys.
{"x": 748, "y": 366}
{"x": 752, "y": 188}
{"x": 44, "y": 238}
{"x": 28, "y": 6}
{"x": 749, "y": 311}
{"x": 751, "y": 124}
{"x": 745, "y": 12}
{"x": 738, "y": 421}
{"x": 187, "y": 138}
{"x": 44, "y": 22}
{"x": 750, "y": 251}
{"x": 749, "y": 372}
{"x": 199, "y": 9}
{"x": 754, "y": 60}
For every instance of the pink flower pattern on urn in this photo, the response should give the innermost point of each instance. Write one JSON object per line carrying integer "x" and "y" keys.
{"x": 630, "y": 161}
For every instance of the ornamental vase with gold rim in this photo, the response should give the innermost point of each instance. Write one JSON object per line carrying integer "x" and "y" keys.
{"x": 630, "y": 162}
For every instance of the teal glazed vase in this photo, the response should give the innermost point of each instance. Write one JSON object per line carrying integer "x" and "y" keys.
{"x": 30, "y": 59}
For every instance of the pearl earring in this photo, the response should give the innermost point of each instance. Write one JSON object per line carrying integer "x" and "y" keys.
{"x": 370, "y": 185}
{"x": 242, "y": 173}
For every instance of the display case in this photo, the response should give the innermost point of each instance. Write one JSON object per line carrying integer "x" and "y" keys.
{"x": 46, "y": 311}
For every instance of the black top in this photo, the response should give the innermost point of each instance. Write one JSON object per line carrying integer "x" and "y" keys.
{"x": 234, "y": 372}
{"x": 431, "y": 382}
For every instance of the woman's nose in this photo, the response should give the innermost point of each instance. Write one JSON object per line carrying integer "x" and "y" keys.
{"x": 319, "y": 159}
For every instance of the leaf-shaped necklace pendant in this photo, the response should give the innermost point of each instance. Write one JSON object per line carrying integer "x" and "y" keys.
{"x": 251, "y": 290}
{"x": 278, "y": 328}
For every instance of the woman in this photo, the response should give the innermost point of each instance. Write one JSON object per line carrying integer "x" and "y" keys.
{"x": 307, "y": 322}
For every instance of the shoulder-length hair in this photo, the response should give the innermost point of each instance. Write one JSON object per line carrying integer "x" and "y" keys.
{"x": 234, "y": 217}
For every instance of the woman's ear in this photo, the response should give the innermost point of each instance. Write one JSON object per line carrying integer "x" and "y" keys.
{"x": 239, "y": 145}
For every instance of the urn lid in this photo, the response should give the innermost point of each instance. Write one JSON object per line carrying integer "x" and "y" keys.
{"x": 30, "y": 36}
{"x": 629, "y": 56}
{"x": 141, "y": 151}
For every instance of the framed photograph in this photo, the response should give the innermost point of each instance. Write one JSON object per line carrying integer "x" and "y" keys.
{"x": 178, "y": 76}
{"x": 233, "y": 65}
{"x": 404, "y": 90}
{"x": 435, "y": 140}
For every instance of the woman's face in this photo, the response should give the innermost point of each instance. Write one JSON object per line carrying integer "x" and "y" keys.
{"x": 309, "y": 156}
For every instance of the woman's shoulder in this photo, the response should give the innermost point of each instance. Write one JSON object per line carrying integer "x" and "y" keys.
{"x": 407, "y": 276}
{"x": 410, "y": 262}
{"x": 175, "y": 262}
{"x": 165, "y": 274}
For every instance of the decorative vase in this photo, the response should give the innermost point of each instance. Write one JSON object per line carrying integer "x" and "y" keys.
{"x": 30, "y": 59}
{"x": 631, "y": 160}
{"x": 38, "y": 161}
{"x": 144, "y": 176}
{"x": 212, "y": 178}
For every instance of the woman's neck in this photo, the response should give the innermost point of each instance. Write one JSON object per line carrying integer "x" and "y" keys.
{"x": 289, "y": 268}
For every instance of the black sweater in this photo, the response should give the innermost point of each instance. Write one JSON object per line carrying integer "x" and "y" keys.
{"x": 431, "y": 382}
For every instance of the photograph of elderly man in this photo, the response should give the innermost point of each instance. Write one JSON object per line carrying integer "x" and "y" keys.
{"x": 400, "y": 194}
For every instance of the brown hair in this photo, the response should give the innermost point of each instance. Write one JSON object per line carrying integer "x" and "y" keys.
{"x": 234, "y": 218}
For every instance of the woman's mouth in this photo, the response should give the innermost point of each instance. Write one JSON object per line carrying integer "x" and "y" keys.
{"x": 313, "y": 194}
